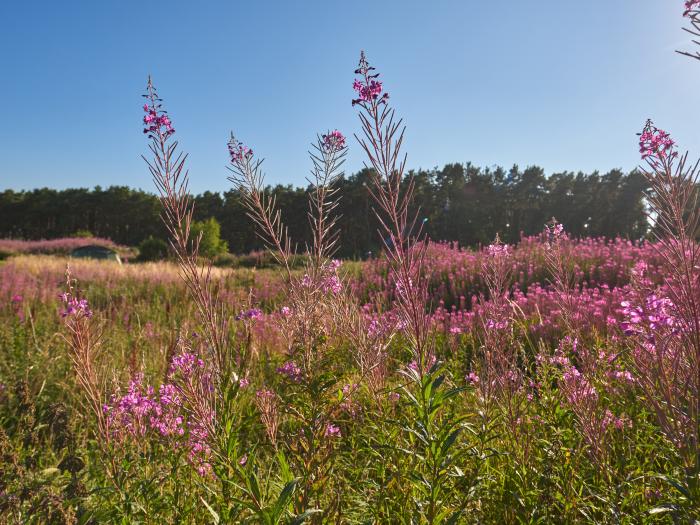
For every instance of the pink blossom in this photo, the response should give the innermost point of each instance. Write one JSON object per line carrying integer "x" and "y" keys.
{"x": 74, "y": 307}
{"x": 185, "y": 364}
{"x": 497, "y": 249}
{"x": 291, "y": 370}
{"x": 334, "y": 141}
{"x": 157, "y": 122}
{"x": 368, "y": 88}
{"x": 253, "y": 313}
{"x": 332, "y": 431}
{"x": 691, "y": 6}
{"x": 655, "y": 143}
{"x": 238, "y": 152}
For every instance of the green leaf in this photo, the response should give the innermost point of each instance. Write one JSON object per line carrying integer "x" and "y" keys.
{"x": 283, "y": 499}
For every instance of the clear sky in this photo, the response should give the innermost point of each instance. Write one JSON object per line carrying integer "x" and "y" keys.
{"x": 562, "y": 84}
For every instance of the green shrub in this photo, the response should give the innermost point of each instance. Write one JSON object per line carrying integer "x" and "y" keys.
{"x": 153, "y": 249}
{"x": 211, "y": 244}
{"x": 82, "y": 234}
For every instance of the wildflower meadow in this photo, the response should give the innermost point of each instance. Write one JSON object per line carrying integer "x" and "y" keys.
{"x": 551, "y": 380}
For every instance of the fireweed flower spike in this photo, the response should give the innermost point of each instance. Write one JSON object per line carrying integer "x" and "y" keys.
{"x": 655, "y": 143}
{"x": 691, "y": 7}
{"x": 74, "y": 306}
{"x": 404, "y": 242}
{"x": 156, "y": 121}
{"x": 368, "y": 88}
{"x": 238, "y": 152}
{"x": 333, "y": 141}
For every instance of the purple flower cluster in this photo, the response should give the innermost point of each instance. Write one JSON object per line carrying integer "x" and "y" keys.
{"x": 333, "y": 141}
{"x": 238, "y": 152}
{"x": 498, "y": 250}
{"x": 331, "y": 282}
{"x": 367, "y": 91}
{"x": 141, "y": 410}
{"x": 75, "y": 307}
{"x": 611, "y": 420}
{"x": 157, "y": 122}
{"x": 291, "y": 370}
{"x": 165, "y": 413}
{"x": 691, "y": 6}
{"x": 577, "y": 388}
{"x": 253, "y": 313}
{"x": 185, "y": 364}
{"x": 332, "y": 431}
{"x": 473, "y": 378}
{"x": 368, "y": 88}
{"x": 656, "y": 313}
{"x": 655, "y": 142}
{"x": 554, "y": 231}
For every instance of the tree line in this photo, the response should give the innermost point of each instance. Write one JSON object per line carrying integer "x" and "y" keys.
{"x": 460, "y": 202}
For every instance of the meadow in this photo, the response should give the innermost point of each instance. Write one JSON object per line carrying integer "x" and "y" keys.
{"x": 526, "y": 437}
{"x": 556, "y": 380}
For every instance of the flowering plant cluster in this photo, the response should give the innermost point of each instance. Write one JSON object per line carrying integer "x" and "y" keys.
{"x": 334, "y": 141}
{"x": 432, "y": 384}
{"x": 690, "y": 7}
{"x": 156, "y": 121}
{"x": 368, "y": 88}
{"x": 655, "y": 142}
{"x": 74, "y": 306}
{"x": 238, "y": 152}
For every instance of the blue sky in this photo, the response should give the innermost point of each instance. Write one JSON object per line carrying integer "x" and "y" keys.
{"x": 561, "y": 84}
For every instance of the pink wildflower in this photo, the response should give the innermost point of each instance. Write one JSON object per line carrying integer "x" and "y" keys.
{"x": 332, "y": 431}
{"x": 74, "y": 306}
{"x": 334, "y": 141}
{"x": 253, "y": 313}
{"x": 291, "y": 370}
{"x": 238, "y": 152}
{"x": 368, "y": 88}
{"x": 691, "y": 6}
{"x": 156, "y": 122}
{"x": 654, "y": 142}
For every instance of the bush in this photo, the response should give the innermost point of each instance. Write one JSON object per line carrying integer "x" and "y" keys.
{"x": 152, "y": 249}
{"x": 82, "y": 234}
{"x": 225, "y": 260}
{"x": 265, "y": 259}
{"x": 211, "y": 244}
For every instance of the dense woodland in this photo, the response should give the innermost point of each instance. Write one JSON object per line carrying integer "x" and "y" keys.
{"x": 460, "y": 202}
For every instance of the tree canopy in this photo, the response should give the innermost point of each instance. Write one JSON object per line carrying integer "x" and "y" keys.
{"x": 460, "y": 202}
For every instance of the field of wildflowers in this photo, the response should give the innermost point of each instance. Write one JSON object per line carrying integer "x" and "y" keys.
{"x": 552, "y": 381}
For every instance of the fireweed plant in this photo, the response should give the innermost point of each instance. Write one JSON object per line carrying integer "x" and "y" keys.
{"x": 554, "y": 381}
